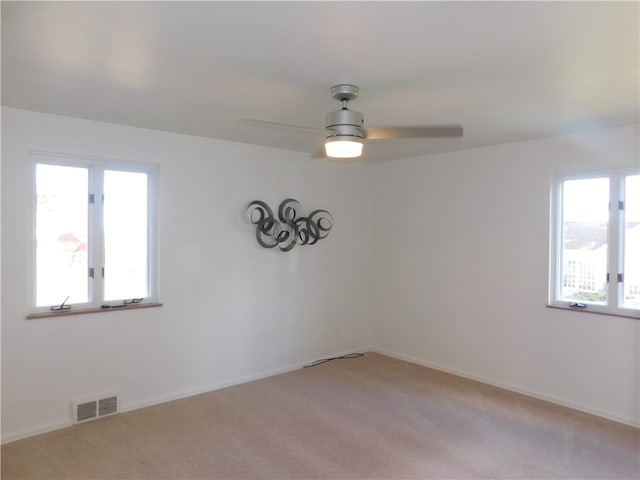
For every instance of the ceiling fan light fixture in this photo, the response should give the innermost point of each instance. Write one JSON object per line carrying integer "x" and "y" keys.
{"x": 341, "y": 147}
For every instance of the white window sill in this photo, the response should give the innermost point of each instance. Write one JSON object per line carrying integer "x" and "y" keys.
{"x": 82, "y": 311}
{"x": 623, "y": 314}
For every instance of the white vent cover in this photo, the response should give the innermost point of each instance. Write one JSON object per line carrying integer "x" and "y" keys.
{"x": 94, "y": 406}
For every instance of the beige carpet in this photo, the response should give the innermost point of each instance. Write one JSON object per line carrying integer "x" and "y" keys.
{"x": 369, "y": 417}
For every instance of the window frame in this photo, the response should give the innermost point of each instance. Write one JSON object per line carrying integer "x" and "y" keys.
{"x": 615, "y": 244}
{"x": 95, "y": 232}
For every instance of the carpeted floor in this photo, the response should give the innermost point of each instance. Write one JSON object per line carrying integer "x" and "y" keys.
{"x": 369, "y": 417}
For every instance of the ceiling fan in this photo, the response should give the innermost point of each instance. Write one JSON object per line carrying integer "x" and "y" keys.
{"x": 345, "y": 133}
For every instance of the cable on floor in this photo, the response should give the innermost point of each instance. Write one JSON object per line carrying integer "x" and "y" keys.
{"x": 325, "y": 360}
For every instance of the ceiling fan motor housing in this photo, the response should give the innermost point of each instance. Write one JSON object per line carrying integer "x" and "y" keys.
{"x": 345, "y": 123}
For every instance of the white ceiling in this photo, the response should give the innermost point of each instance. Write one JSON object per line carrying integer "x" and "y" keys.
{"x": 506, "y": 71}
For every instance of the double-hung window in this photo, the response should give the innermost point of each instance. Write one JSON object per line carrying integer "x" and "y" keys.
{"x": 95, "y": 236}
{"x": 595, "y": 243}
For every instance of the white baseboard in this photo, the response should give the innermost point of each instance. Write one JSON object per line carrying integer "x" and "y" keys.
{"x": 30, "y": 432}
{"x": 227, "y": 383}
{"x": 634, "y": 422}
{"x": 148, "y": 402}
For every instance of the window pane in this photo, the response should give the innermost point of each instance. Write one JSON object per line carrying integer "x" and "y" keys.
{"x": 585, "y": 215}
{"x": 61, "y": 234}
{"x": 631, "y": 296}
{"x": 125, "y": 235}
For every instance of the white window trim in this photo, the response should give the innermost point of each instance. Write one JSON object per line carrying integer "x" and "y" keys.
{"x": 615, "y": 260}
{"x": 95, "y": 302}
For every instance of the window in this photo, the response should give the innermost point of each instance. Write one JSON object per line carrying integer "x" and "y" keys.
{"x": 595, "y": 243}
{"x": 94, "y": 233}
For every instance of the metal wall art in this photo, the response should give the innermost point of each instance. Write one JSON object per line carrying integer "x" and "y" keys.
{"x": 290, "y": 228}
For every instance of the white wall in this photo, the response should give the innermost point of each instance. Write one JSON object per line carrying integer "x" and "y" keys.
{"x": 406, "y": 233}
{"x": 462, "y": 267}
{"x": 232, "y": 310}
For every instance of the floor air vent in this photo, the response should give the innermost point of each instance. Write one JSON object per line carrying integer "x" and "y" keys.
{"x": 107, "y": 406}
{"x": 89, "y": 408}
{"x": 86, "y": 411}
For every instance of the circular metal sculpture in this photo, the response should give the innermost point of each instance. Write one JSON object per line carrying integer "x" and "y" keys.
{"x": 290, "y": 228}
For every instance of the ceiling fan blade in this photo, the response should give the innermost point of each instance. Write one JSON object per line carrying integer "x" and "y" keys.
{"x": 254, "y": 122}
{"x": 433, "y": 131}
